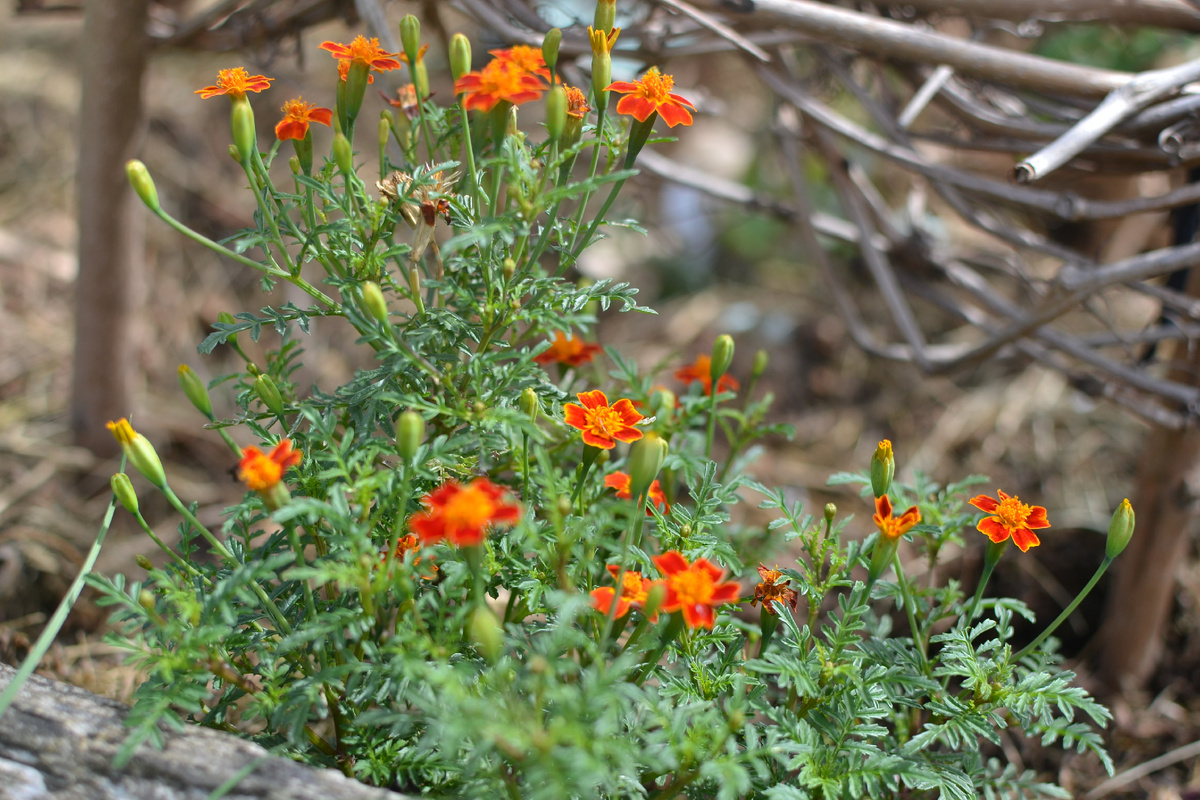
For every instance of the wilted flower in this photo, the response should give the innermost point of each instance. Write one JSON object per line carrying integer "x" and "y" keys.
{"x": 420, "y": 204}
{"x": 772, "y": 589}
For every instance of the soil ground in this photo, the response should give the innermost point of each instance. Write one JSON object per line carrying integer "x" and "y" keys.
{"x": 1020, "y": 424}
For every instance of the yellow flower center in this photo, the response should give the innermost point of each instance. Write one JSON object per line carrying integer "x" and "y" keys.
{"x": 364, "y": 50}
{"x": 1013, "y": 513}
{"x": 470, "y": 509}
{"x": 526, "y": 58}
{"x": 656, "y": 86}
{"x": 633, "y": 587}
{"x": 233, "y": 81}
{"x": 605, "y": 421}
{"x": 500, "y": 78}
{"x": 692, "y": 587}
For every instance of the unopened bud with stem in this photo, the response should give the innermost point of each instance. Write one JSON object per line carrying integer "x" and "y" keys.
{"x": 195, "y": 390}
{"x": 1120, "y": 529}
{"x": 883, "y": 468}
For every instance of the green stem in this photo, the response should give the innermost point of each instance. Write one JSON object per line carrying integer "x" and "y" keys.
{"x": 195, "y": 573}
{"x": 910, "y": 610}
{"x": 1029, "y": 648}
{"x": 712, "y": 420}
{"x": 576, "y": 250}
{"x": 587, "y": 195}
{"x": 469, "y": 148}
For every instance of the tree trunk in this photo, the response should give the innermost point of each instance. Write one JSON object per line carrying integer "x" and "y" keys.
{"x": 1165, "y": 500}
{"x": 111, "y": 247}
{"x": 57, "y": 742}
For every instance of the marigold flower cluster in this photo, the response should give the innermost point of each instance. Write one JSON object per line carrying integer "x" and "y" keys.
{"x": 695, "y": 589}
{"x": 515, "y": 75}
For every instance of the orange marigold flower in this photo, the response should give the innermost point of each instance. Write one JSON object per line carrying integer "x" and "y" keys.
{"x": 499, "y": 80}
{"x": 701, "y": 370}
{"x": 525, "y": 58}
{"x": 296, "y": 116}
{"x": 406, "y": 101}
{"x": 461, "y": 513}
{"x": 263, "y": 471}
{"x": 771, "y": 589}
{"x": 364, "y": 51}
{"x": 890, "y": 526}
{"x": 568, "y": 350}
{"x": 235, "y": 83}
{"x": 634, "y": 591}
{"x": 603, "y": 425}
{"x": 344, "y": 71}
{"x": 620, "y": 482}
{"x": 1010, "y": 517}
{"x": 577, "y": 106}
{"x": 696, "y": 589}
{"x": 411, "y": 544}
{"x": 650, "y": 94}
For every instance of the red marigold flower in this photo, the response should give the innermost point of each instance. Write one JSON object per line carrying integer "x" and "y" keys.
{"x": 461, "y": 513}
{"x": 652, "y": 93}
{"x": 696, "y": 588}
{"x": 344, "y": 71}
{"x": 634, "y": 591}
{"x": 890, "y": 526}
{"x": 365, "y": 51}
{"x": 1010, "y": 517}
{"x": 262, "y": 471}
{"x": 620, "y": 482}
{"x": 499, "y": 80}
{"x": 235, "y": 83}
{"x": 772, "y": 589}
{"x": 525, "y": 58}
{"x": 568, "y": 350}
{"x": 577, "y": 106}
{"x": 296, "y": 116}
{"x": 603, "y": 425}
{"x": 701, "y": 370}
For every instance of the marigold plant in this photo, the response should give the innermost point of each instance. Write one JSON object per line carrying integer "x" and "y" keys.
{"x": 428, "y": 583}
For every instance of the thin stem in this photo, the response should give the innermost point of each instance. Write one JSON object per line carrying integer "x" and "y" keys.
{"x": 1029, "y": 648}
{"x": 910, "y": 610}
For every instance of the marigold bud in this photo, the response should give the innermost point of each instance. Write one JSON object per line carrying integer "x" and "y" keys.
{"x": 509, "y": 269}
{"x": 830, "y": 513}
{"x": 881, "y": 556}
{"x": 645, "y": 460}
{"x": 355, "y": 89}
{"x": 530, "y": 404}
{"x": 122, "y": 489}
{"x": 410, "y": 38}
{"x": 384, "y": 129}
{"x": 234, "y": 154}
{"x": 268, "y": 393}
{"x": 241, "y": 119}
{"x": 601, "y": 78}
{"x": 420, "y": 76}
{"x": 374, "y": 303}
{"x": 550, "y": 45}
{"x": 294, "y": 165}
{"x": 343, "y": 155}
{"x": 722, "y": 357}
{"x": 143, "y": 562}
{"x": 142, "y": 183}
{"x": 654, "y": 599}
{"x": 228, "y": 319}
{"x": 760, "y": 364}
{"x": 556, "y": 111}
{"x": 139, "y": 451}
{"x": 1120, "y": 530}
{"x": 606, "y": 15}
{"x": 195, "y": 391}
{"x": 410, "y": 433}
{"x": 460, "y": 55}
{"x": 486, "y": 633}
{"x": 146, "y": 599}
{"x": 883, "y": 467}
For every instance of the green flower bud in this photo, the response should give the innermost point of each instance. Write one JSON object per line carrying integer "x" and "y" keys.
{"x": 139, "y": 451}
{"x": 830, "y": 513}
{"x": 195, "y": 391}
{"x": 722, "y": 357}
{"x": 645, "y": 460}
{"x": 343, "y": 155}
{"x": 409, "y": 434}
{"x": 146, "y": 599}
{"x": 881, "y": 556}
{"x": 606, "y": 15}
{"x": 530, "y": 404}
{"x": 268, "y": 393}
{"x": 241, "y": 119}
{"x": 420, "y": 76}
{"x": 460, "y": 55}
{"x": 384, "y": 129}
{"x": 304, "y": 155}
{"x": 883, "y": 467}
{"x": 760, "y": 364}
{"x": 410, "y": 38}
{"x": 556, "y": 111}
{"x": 601, "y": 78}
{"x": 374, "y": 303}
{"x": 509, "y": 269}
{"x": 142, "y": 183}
{"x": 143, "y": 562}
{"x": 294, "y": 165}
{"x": 357, "y": 78}
{"x": 550, "y": 44}
{"x": 1120, "y": 530}
{"x": 654, "y": 599}
{"x": 228, "y": 319}
{"x": 486, "y": 633}
{"x": 122, "y": 489}
{"x": 234, "y": 154}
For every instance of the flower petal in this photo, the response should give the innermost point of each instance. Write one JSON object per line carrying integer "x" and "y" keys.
{"x": 993, "y": 529}
{"x": 640, "y": 108}
{"x": 985, "y": 503}
{"x": 674, "y": 114}
{"x": 670, "y": 562}
{"x": 1025, "y": 539}
{"x": 1037, "y": 518}
{"x": 593, "y": 399}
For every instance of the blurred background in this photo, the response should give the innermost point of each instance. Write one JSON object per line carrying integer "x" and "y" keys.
{"x": 809, "y": 142}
